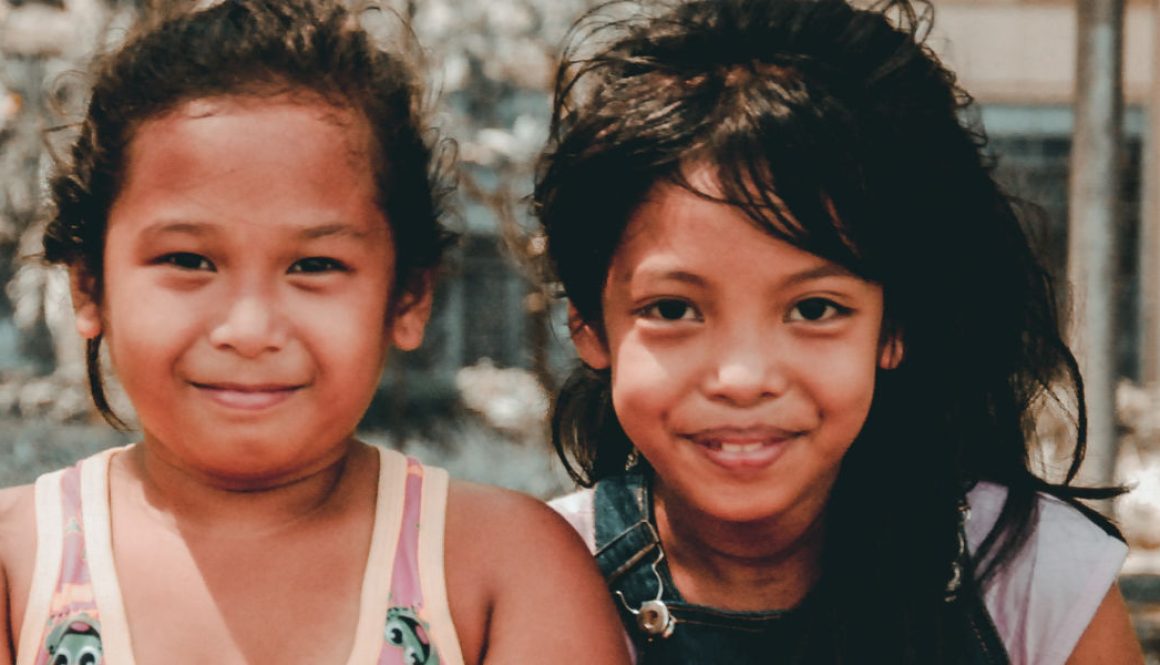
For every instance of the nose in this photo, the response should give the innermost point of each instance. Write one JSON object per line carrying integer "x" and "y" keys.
{"x": 251, "y": 324}
{"x": 746, "y": 369}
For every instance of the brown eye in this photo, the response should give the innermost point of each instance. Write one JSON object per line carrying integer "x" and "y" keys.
{"x": 670, "y": 309}
{"x": 186, "y": 261}
{"x": 316, "y": 264}
{"x": 817, "y": 309}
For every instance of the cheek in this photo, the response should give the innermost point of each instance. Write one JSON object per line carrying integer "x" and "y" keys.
{"x": 648, "y": 384}
{"x": 843, "y": 390}
{"x": 146, "y": 321}
{"x": 350, "y": 339}
{"x": 360, "y": 323}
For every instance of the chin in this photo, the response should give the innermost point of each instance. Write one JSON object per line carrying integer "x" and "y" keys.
{"x": 745, "y": 514}
{"x": 742, "y": 506}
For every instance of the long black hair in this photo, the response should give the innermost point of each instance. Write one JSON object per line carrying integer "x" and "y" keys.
{"x": 835, "y": 129}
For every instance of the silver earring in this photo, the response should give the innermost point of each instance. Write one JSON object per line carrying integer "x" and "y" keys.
{"x": 632, "y": 459}
{"x": 956, "y": 581}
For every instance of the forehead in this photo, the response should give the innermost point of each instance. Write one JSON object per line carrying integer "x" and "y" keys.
{"x": 777, "y": 203}
{"x": 678, "y": 232}
{"x": 248, "y": 159}
{"x": 282, "y": 124}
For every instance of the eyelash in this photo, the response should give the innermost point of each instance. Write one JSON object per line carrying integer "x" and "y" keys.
{"x": 830, "y": 310}
{"x": 320, "y": 263}
{"x": 653, "y": 310}
{"x": 194, "y": 262}
{"x": 182, "y": 261}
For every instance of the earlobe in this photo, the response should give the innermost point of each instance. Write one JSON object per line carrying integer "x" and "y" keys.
{"x": 85, "y": 307}
{"x": 892, "y": 352}
{"x": 410, "y": 318}
{"x": 589, "y": 343}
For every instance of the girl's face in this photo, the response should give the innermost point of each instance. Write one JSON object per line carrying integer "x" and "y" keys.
{"x": 742, "y": 367}
{"x": 246, "y": 285}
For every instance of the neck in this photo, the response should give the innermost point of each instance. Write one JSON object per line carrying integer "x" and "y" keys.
{"x": 766, "y": 565}
{"x": 182, "y": 500}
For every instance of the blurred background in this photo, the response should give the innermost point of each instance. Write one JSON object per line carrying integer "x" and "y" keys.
{"x": 1068, "y": 90}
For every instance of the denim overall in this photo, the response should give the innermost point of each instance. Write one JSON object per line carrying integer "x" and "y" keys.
{"x": 677, "y": 632}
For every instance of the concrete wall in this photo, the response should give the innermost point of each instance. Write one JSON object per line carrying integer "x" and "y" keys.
{"x": 1023, "y": 51}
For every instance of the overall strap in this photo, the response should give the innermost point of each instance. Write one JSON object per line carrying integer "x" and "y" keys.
{"x": 629, "y": 553}
{"x": 625, "y": 536}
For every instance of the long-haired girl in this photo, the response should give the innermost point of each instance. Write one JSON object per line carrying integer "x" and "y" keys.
{"x": 813, "y": 332}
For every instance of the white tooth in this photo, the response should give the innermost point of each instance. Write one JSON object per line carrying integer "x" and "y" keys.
{"x": 741, "y": 447}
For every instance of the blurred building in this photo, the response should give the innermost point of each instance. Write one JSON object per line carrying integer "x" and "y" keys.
{"x": 493, "y": 61}
{"x": 1018, "y": 59}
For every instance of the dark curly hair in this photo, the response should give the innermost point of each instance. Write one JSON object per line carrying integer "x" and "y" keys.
{"x": 835, "y": 129}
{"x": 251, "y": 48}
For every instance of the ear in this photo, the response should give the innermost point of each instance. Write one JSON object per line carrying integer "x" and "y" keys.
{"x": 892, "y": 350}
{"x": 410, "y": 315}
{"x": 590, "y": 344}
{"x": 88, "y": 312}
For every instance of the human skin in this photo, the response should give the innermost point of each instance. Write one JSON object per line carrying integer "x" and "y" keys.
{"x": 742, "y": 368}
{"x": 247, "y": 309}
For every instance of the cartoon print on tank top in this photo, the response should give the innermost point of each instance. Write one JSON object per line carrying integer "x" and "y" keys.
{"x": 74, "y": 629}
{"x": 75, "y": 642}
{"x": 404, "y": 629}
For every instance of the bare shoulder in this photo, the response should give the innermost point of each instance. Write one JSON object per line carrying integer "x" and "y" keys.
{"x": 483, "y": 507}
{"x": 1109, "y": 637}
{"x": 17, "y": 524}
{"x": 522, "y": 585}
{"x": 13, "y": 500}
{"x": 17, "y": 560}
{"x": 496, "y": 534}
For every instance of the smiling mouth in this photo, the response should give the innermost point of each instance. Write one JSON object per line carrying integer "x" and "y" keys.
{"x": 742, "y": 436}
{"x": 743, "y": 448}
{"x": 735, "y": 447}
{"x": 247, "y": 397}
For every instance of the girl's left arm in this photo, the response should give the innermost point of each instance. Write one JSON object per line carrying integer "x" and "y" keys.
{"x": 1109, "y": 638}
{"x": 523, "y": 587}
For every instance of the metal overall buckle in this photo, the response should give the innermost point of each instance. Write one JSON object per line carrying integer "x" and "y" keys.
{"x": 653, "y": 617}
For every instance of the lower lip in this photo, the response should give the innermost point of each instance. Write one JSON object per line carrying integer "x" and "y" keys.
{"x": 247, "y": 400}
{"x": 749, "y": 456}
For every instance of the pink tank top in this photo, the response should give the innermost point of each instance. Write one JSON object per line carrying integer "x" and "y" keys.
{"x": 75, "y": 615}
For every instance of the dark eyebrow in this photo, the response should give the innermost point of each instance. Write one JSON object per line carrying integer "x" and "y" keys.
{"x": 809, "y": 274}
{"x": 820, "y": 272}
{"x": 179, "y": 227}
{"x": 676, "y": 275}
{"x": 202, "y": 229}
{"x": 330, "y": 230}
